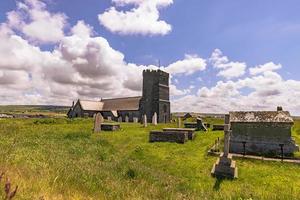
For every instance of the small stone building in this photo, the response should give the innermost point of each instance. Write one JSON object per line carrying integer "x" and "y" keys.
{"x": 262, "y": 132}
{"x": 155, "y": 99}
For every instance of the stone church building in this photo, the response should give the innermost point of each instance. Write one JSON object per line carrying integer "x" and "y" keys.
{"x": 155, "y": 99}
{"x": 262, "y": 132}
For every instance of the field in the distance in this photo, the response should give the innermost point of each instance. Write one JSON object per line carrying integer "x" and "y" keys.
{"x": 62, "y": 159}
{"x": 51, "y": 111}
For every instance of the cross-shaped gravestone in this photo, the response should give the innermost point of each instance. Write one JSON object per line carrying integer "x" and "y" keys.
{"x": 225, "y": 166}
{"x": 97, "y": 122}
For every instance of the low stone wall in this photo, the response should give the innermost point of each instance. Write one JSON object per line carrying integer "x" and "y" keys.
{"x": 191, "y": 131}
{"x": 168, "y": 136}
{"x": 218, "y": 127}
{"x": 110, "y": 127}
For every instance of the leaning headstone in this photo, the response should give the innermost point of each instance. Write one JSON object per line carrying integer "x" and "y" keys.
{"x": 200, "y": 125}
{"x": 178, "y": 122}
{"x": 135, "y": 120}
{"x": 154, "y": 119}
{"x": 145, "y": 120}
{"x": 120, "y": 119}
{"x": 97, "y": 122}
{"x": 225, "y": 166}
{"x": 109, "y": 118}
{"x": 126, "y": 119}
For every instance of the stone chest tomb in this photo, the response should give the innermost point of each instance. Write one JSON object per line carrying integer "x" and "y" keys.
{"x": 262, "y": 132}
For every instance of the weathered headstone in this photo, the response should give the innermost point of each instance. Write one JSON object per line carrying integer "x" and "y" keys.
{"x": 109, "y": 118}
{"x": 145, "y": 120}
{"x": 200, "y": 125}
{"x": 135, "y": 120}
{"x": 225, "y": 166}
{"x": 120, "y": 119}
{"x": 97, "y": 122}
{"x": 126, "y": 119}
{"x": 154, "y": 119}
{"x": 178, "y": 122}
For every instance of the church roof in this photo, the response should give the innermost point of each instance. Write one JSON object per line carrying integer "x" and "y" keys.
{"x": 128, "y": 103}
{"x": 261, "y": 116}
{"x": 118, "y": 104}
{"x": 91, "y": 105}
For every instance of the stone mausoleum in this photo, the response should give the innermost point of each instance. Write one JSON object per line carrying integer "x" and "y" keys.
{"x": 263, "y": 132}
{"x": 155, "y": 99}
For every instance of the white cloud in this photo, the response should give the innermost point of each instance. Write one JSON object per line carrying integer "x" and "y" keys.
{"x": 142, "y": 19}
{"x": 228, "y": 69}
{"x": 86, "y": 66}
{"x": 265, "y": 92}
{"x": 36, "y": 23}
{"x": 174, "y": 91}
{"x": 270, "y": 66}
{"x": 188, "y": 66}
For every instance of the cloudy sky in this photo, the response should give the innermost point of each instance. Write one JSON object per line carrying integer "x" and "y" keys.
{"x": 222, "y": 55}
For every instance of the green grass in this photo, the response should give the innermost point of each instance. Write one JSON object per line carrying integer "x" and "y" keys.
{"x": 52, "y": 111}
{"x": 62, "y": 159}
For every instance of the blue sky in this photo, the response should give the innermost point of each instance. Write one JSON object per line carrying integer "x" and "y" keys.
{"x": 252, "y": 32}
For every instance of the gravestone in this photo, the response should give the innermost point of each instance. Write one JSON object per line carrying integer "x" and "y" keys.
{"x": 126, "y": 119}
{"x": 135, "y": 120}
{"x": 168, "y": 136}
{"x": 145, "y": 120}
{"x": 190, "y": 131}
{"x": 225, "y": 167}
{"x": 154, "y": 119}
{"x": 97, "y": 123}
{"x": 120, "y": 119}
{"x": 218, "y": 127}
{"x": 178, "y": 122}
{"x": 200, "y": 125}
{"x": 110, "y": 126}
{"x": 109, "y": 118}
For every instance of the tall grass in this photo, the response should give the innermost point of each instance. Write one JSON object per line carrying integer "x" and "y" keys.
{"x": 63, "y": 159}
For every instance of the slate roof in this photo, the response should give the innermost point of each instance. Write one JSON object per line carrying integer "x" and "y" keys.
{"x": 91, "y": 105}
{"x": 119, "y": 104}
{"x": 261, "y": 116}
{"x": 128, "y": 103}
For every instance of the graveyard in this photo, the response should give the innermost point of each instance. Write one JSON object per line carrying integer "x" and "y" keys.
{"x": 60, "y": 158}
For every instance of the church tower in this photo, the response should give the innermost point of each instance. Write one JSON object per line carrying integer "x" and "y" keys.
{"x": 156, "y": 96}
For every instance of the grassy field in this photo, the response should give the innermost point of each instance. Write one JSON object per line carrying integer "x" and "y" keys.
{"x": 52, "y": 111}
{"x": 62, "y": 159}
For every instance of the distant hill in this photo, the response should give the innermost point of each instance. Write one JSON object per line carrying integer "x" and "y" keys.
{"x": 48, "y": 110}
